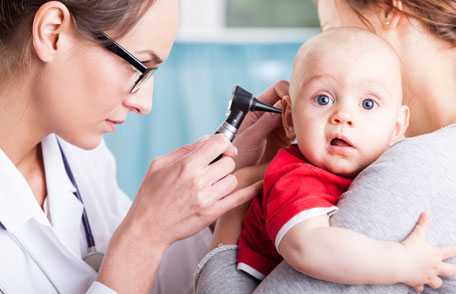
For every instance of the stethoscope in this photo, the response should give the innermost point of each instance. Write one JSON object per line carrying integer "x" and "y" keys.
{"x": 93, "y": 257}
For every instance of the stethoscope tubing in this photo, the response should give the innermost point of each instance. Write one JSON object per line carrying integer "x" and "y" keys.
{"x": 85, "y": 220}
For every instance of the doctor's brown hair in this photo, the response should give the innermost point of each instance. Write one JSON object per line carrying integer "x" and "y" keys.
{"x": 437, "y": 16}
{"x": 16, "y": 18}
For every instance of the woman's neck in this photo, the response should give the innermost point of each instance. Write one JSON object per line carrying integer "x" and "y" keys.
{"x": 21, "y": 128}
{"x": 21, "y": 131}
{"x": 430, "y": 92}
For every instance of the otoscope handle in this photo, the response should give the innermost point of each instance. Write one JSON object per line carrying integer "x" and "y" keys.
{"x": 241, "y": 103}
{"x": 228, "y": 131}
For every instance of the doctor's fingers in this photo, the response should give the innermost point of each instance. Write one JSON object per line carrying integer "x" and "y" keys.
{"x": 208, "y": 151}
{"x": 270, "y": 96}
{"x": 260, "y": 129}
{"x": 208, "y": 196}
{"x": 216, "y": 171}
{"x": 275, "y": 93}
{"x": 229, "y": 202}
{"x": 249, "y": 175}
{"x": 176, "y": 155}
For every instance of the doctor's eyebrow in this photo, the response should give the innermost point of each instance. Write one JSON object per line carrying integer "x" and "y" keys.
{"x": 153, "y": 56}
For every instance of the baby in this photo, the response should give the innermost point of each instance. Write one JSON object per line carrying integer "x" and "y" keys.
{"x": 345, "y": 109}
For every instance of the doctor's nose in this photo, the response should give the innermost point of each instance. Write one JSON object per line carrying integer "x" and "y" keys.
{"x": 341, "y": 118}
{"x": 141, "y": 101}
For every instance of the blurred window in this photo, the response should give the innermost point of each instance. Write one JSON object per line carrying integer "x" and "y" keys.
{"x": 271, "y": 13}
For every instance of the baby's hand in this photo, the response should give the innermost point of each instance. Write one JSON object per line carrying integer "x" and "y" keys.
{"x": 425, "y": 262}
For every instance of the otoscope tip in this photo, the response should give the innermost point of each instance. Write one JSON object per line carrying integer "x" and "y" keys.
{"x": 260, "y": 106}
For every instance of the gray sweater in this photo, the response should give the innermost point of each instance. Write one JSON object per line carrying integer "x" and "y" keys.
{"x": 384, "y": 202}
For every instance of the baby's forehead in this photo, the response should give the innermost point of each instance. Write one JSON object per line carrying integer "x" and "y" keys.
{"x": 347, "y": 43}
{"x": 346, "y": 51}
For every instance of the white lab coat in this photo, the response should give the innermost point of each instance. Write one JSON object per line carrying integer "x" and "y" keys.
{"x": 55, "y": 238}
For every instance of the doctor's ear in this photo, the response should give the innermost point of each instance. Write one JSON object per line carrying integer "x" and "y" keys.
{"x": 287, "y": 118}
{"x": 51, "y": 22}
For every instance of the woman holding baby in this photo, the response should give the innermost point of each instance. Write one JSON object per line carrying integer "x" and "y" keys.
{"x": 415, "y": 175}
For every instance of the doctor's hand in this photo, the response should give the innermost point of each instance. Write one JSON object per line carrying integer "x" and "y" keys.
{"x": 183, "y": 192}
{"x": 261, "y": 134}
{"x": 228, "y": 227}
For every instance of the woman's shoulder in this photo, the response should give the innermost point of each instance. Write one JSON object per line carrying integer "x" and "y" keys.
{"x": 447, "y": 133}
{"x": 434, "y": 146}
{"x": 413, "y": 176}
{"x": 426, "y": 157}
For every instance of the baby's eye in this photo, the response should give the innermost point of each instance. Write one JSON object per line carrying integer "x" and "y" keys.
{"x": 324, "y": 100}
{"x": 368, "y": 104}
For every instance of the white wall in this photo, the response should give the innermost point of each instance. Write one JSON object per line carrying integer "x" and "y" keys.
{"x": 202, "y": 17}
{"x": 204, "y": 20}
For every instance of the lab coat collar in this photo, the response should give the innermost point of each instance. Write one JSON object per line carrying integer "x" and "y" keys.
{"x": 53, "y": 247}
{"x": 65, "y": 210}
{"x": 56, "y": 177}
{"x": 17, "y": 202}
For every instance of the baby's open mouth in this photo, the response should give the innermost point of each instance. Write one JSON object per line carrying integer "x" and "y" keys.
{"x": 340, "y": 142}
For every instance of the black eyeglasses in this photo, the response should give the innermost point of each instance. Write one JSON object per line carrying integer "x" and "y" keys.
{"x": 114, "y": 47}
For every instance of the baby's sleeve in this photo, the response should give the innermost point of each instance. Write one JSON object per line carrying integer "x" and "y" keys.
{"x": 294, "y": 197}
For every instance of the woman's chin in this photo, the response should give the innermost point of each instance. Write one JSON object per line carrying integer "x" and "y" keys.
{"x": 90, "y": 145}
{"x": 86, "y": 142}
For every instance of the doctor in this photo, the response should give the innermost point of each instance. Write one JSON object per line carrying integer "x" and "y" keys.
{"x": 70, "y": 71}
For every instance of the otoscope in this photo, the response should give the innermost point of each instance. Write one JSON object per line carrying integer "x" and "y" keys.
{"x": 241, "y": 103}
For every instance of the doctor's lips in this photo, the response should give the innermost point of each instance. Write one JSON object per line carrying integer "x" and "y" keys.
{"x": 116, "y": 122}
{"x": 111, "y": 124}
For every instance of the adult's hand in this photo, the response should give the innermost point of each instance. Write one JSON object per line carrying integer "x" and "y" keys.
{"x": 261, "y": 134}
{"x": 181, "y": 194}
{"x": 228, "y": 227}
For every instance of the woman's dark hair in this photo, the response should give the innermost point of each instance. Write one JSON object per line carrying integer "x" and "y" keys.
{"x": 437, "y": 16}
{"x": 16, "y": 17}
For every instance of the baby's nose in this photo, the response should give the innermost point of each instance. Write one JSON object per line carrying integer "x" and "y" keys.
{"x": 342, "y": 118}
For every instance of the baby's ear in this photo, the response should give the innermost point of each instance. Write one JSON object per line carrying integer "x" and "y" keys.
{"x": 287, "y": 118}
{"x": 402, "y": 124}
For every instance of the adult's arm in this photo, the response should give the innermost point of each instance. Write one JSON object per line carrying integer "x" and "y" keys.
{"x": 175, "y": 273}
{"x": 204, "y": 192}
{"x": 107, "y": 205}
{"x": 385, "y": 200}
{"x": 181, "y": 194}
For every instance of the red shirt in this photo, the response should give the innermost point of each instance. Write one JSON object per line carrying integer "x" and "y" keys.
{"x": 294, "y": 191}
